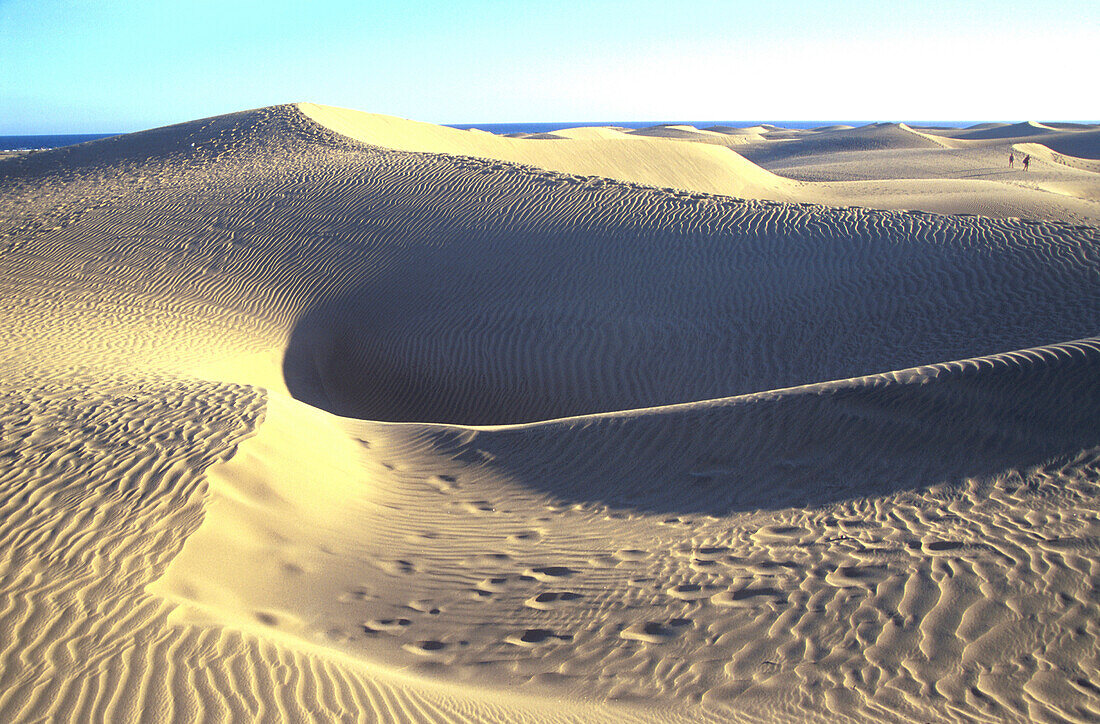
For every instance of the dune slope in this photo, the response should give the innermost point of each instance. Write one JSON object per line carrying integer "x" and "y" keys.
{"x": 1015, "y": 130}
{"x": 298, "y": 427}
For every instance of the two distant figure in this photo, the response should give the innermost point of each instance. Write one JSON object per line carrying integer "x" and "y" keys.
{"x": 1012, "y": 160}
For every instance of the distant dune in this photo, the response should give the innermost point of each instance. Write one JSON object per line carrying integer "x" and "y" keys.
{"x": 841, "y": 127}
{"x": 596, "y": 152}
{"x": 1016, "y": 130}
{"x": 866, "y": 138}
{"x": 1080, "y": 144}
{"x": 730, "y": 130}
{"x": 309, "y": 414}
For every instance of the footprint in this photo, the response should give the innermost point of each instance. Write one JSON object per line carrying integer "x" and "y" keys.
{"x": 429, "y": 647}
{"x": 676, "y": 521}
{"x": 748, "y": 597}
{"x": 478, "y": 507}
{"x": 424, "y": 607}
{"x": 710, "y": 553}
{"x": 337, "y": 635}
{"x": 534, "y": 637}
{"x": 690, "y": 591}
{"x": 488, "y": 559}
{"x": 397, "y": 567}
{"x": 853, "y": 524}
{"x": 356, "y": 594}
{"x": 549, "y": 573}
{"x": 603, "y": 562}
{"x": 942, "y": 546}
{"x": 548, "y": 601}
{"x": 851, "y": 576}
{"x": 443, "y": 483}
{"x": 385, "y": 625}
{"x": 267, "y": 619}
{"x": 650, "y": 632}
{"x": 780, "y": 534}
{"x": 492, "y": 585}
{"x": 631, "y": 554}
{"x": 769, "y": 568}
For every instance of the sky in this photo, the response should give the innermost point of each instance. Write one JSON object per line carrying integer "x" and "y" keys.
{"x": 87, "y": 66}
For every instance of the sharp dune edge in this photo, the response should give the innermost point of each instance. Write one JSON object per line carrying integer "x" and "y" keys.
{"x": 314, "y": 415}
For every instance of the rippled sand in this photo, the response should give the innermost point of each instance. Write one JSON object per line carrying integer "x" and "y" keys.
{"x": 313, "y": 415}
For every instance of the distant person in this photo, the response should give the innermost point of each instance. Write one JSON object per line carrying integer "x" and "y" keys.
{"x": 1011, "y": 160}
{"x": 1027, "y": 160}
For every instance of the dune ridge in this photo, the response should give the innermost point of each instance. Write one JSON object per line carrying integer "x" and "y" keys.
{"x": 303, "y": 422}
{"x": 694, "y": 167}
{"x": 1015, "y": 130}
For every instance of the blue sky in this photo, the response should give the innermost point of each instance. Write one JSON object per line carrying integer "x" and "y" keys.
{"x": 123, "y": 65}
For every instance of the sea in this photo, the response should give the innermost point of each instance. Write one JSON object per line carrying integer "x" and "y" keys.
{"x": 29, "y": 143}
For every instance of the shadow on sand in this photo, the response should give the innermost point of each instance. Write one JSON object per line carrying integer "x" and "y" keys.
{"x": 808, "y": 446}
{"x": 825, "y": 443}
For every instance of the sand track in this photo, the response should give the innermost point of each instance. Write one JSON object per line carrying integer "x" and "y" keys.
{"x": 658, "y": 454}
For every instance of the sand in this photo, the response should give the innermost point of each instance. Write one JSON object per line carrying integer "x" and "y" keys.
{"x": 308, "y": 414}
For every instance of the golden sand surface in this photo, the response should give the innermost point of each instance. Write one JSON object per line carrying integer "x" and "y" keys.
{"x": 308, "y": 414}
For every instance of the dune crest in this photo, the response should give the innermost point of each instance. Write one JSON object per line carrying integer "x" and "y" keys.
{"x": 695, "y": 168}
{"x": 1015, "y": 130}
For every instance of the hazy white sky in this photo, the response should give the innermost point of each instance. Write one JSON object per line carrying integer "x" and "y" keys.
{"x": 122, "y": 65}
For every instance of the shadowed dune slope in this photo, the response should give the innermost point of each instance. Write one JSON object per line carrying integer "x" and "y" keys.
{"x": 723, "y": 298}
{"x": 302, "y": 427}
{"x": 1081, "y": 144}
{"x": 820, "y": 444}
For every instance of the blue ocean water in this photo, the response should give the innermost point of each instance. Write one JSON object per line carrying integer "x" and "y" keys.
{"x": 547, "y": 127}
{"x": 27, "y": 143}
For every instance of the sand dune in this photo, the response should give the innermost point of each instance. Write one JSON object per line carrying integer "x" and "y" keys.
{"x": 1042, "y": 152}
{"x": 315, "y": 415}
{"x": 985, "y": 126}
{"x": 969, "y": 175}
{"x": 587, "y": 132}
{"x": 887, "y": 136}
{"x": 696, "y": 167}
{"x": 690, "y": 133}
{"x": 1080, "y": 144}
{"x": 1061, "y": 126}
{"x": 733, "y": 131}
{"x": 1016, "y": 130}
{"x": 895, "y": 166}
